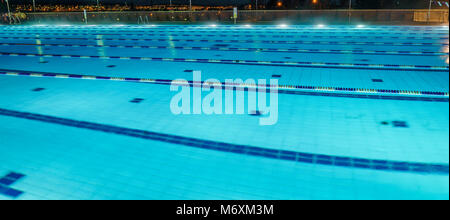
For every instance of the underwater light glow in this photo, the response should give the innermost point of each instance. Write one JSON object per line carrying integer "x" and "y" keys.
{"x": 320, "y": 26}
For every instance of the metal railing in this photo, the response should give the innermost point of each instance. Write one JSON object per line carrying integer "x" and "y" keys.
{"x": 254, "y": 16}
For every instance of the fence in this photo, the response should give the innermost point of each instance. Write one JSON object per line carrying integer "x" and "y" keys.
{"x": 267, "y": 16}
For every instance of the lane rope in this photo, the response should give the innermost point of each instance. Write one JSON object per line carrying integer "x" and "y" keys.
{"x": 211, "y": 30}
{"x": 400, "y": 94}
{"x": 299, "y": 42}
{"x": 288, "y": 50}
{"x": 250, "y": 62}
{"x": 232, "y": 41}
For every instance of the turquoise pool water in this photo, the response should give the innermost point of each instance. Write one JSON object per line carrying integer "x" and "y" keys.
{"x": 363, "y": 113}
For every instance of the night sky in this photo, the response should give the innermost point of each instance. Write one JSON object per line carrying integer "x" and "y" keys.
{"x": 142, "y": 2}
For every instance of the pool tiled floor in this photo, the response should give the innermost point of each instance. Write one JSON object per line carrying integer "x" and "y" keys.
{"x": 75, "y": 137}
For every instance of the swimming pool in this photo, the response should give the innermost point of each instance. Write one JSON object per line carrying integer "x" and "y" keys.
{"x": 363, "y": 113}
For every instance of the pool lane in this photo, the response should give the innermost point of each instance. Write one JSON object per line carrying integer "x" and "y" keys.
{"x": 408, "y": 39}
{"x": 273, "y": 44}
{"x": 215, "y": 47}
{"x": 293, "y": 64}
{"x": 120, "y": 51}
{"x": 301, "y": 120}
{"x": 300, "y": 157}
{"x": 348, "y": 39}
{"x": 131, "y": 168}
{"x": 316, "y": 77}
{"x": 429, "y": 96}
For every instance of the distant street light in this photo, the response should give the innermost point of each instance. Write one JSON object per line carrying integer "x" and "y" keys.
{"x": 349, "y": 11}
{"x": 429, "y": 11}
{"x": 190, "y": 10}
{"x": 9, "y": 11}
{"x": 34, "y": 6}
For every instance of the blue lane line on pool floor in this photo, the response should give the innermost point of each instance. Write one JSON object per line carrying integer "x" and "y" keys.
{"x": 286, "y": 155}
{"x": 380, "y": 94}
{"x": 7, "y": 181}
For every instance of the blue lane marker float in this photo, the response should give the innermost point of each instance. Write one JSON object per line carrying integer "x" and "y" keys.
{"x": 286, "y": 155}
{"x": 6, "y": 182}
{"x": 83, "y": 37}
{"x": 285, "y": 50}
{"x": 385, "y": 94}
{"x": 253, "y": 62}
